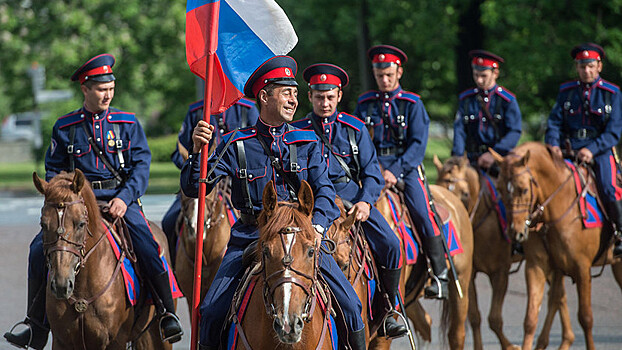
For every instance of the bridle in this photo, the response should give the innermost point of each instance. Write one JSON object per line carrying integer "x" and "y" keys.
{"x": 533, "y": 208}
{"x": 288, "y": 259}
{"x": 73, "y": 247}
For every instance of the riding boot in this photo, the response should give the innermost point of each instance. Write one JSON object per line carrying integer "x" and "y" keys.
{"x": 170, "y": 327}
{"x": 36, "y": 333}
{"x": 207, "y": 347}
{"x": 390, "y": 279}
{"x": 614, "y": 209}
{"x": 357, "y": 340}
{"x": 439, "y": 289}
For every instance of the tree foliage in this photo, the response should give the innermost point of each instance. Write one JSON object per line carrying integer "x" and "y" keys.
{"x": 154, "y": 80}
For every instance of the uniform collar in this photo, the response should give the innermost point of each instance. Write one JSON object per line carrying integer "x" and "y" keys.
{"x": 487, "y": 92}
{"x": 391, "y": 94}
{"x": 326, "y": 120}
{"x": 587, "y": 86}
{"x": 266, "y": 129}
{"x": 94, "y": 116}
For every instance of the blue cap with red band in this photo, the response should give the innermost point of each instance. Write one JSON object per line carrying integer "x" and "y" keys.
{"x": 325, "y": 76}
{"x": 98, "y": 68}
{"x": 276, "y": 70}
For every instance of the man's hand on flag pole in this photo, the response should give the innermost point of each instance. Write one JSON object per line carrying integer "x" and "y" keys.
{"x": 201, "y": 135}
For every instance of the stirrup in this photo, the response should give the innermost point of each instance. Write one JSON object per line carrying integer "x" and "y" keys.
{"x": 439, "y": 295}
{"x": 172, "y": 338}
{"x": 384, "y": 324}
{"x": 29, "y": 326}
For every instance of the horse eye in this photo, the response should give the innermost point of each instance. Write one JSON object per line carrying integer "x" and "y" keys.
{"x": 81, "y": 225}
{"x": 266, "y": 251}
{"x": 311, "y": 252}
{"x": 524, "y": 191}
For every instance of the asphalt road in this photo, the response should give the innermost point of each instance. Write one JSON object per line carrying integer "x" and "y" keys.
{"x": 19, "y": 219}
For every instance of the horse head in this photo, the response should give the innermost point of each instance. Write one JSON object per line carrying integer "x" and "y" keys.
{"x": 341, "y": 235}
{"x": 518, "y": 189}
{"x": 68, "y": 218}
{"x": 289, "y": 256}
{"x": 457, "y": 176}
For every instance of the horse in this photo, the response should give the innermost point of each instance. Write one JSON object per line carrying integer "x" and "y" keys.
{"x": 216, "y": 231}
{"x": 492, "y": 253}
{"x": 283, "y": 309}
{"x": 537, "y": 188}
{"x": 455, "y": 308}
{"x": 86, "y": 302}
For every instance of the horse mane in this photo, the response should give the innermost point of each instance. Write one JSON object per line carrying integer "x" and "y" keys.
{"x": 286, "y": 213}
{"x": 59, "y": 190}
{"x": 458, "y": 161}
{"x": 537, "y": 150}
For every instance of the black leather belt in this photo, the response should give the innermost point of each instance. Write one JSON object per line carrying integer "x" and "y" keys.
{"x": 342, "y": 180}
{"x": 388, "y": 151}
{"x": 248, "y": 219}
{"x": 105, "y": 184}
{"x": 583, "y": 134}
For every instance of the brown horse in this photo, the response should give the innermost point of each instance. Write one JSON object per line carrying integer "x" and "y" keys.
{"x": 537, "y": 187}
{"x": 455, "y": 309}
{"x": 216, "y": 231}
{"x": 86, "y": 303}
{"x": 284, "y": 307}
{"x": 492, "y": 252}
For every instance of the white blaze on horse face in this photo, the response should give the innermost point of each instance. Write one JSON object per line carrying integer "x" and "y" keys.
{"x": 290, "y": 238}
{"x": 195, "y": 213}
{"x": 60, "y": 215}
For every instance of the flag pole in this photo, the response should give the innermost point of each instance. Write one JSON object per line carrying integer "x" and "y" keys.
{"x": 207, "y": 97}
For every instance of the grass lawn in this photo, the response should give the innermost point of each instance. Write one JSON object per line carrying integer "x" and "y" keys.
{"x": 164, "y": 176}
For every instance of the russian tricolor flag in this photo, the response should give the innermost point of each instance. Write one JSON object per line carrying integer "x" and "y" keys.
{"x": 249, "y": 33}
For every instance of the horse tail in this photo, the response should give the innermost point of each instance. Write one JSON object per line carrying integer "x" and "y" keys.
{"x": 445, "y": 322}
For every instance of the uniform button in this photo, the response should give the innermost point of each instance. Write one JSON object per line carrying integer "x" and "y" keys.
{"x": 571, "y": 111}
{"x": 309, "y": 122}
{"x": 81, "y": 115}
{"x": 587, "y": 113}
{"x": 326, "y": 155}
{"x": 472, "y": 117}
{"x": 484, "y": 119}
{"x": 327, "y": 130}
{"x": 386, "y": 95}
{"x": 250, "y": 176}
{"x": 386, "y": 126}
{"x": 96, "y": 126}
{"x": 386, "y": 104}
{"x": 499, "y": 89}
{"x": 485, "y": 99}
{"x": 344, "y": 153}
{"x": 400, "y": 94}
{"x": 372, "y": 123}
{"x": 98, "y": 139}
{"x": 377, "y": 95}
{"x": 78, "y": 151}
{"x": 325, "y": 120}
{"x": 600, "y": 110}
{"x": 277, "y": 174}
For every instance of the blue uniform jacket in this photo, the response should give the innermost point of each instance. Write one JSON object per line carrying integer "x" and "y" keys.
{"x": 335, "y": 128}
{"x": 415, "y": 131}
{"x": 232, "y": 118}
{"x": 471, "y": 118}
{"x": 135, "y": 150}
{"x": 311, "y": 167}
{"x": 590, "y": 117}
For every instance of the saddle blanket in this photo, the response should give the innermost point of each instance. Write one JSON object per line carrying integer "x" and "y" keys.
{"x": 588, "y": 205}
{"x": 498, "y": 205}
{"x": 132, "y": 286}
{"x": 407, "y": 235}
{"x": 232, "y": 333}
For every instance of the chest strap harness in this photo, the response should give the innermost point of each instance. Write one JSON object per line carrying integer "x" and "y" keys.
{"x": 584, "y": 133}
{"x": 352, "y": 174}
{"x": 248, "y": 213}
{"x": 397, "y": 133}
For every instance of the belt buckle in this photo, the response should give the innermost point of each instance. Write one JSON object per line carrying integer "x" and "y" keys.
{"x": 582, "y": 133}
{"x": 96, "y": 185}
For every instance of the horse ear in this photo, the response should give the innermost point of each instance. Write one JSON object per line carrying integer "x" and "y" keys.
{"x": 346, "y": 225}
{"x": 269, "y": 198}
{"x": 523, "y": 161}
{"x": 437, "y": 163}
{"x": 78, "y": 181}
{"x": 305, "y": 197}
{"x": 40, "y": 184}
{"x": 498, "y": 158}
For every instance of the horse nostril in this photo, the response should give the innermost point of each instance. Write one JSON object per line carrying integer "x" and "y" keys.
{"x": 298, "y": 325}
{"x": 70, "y": 285}
{"x": 277, "y": 324}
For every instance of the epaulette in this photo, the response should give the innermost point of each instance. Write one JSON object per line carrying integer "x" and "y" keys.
{"x": 369, "y": 95}
{"x": 304, "y": 123}
{"x": 505, "y": 94}
{"x": 298, "y": 135}
{"x": 70, "y": 119}
{"x": 466, "y": 93}
{"x": 121, "y": 117}
{"x": 611, "y": 87}
{"x": 351, "y": 121}
{"x": 195, "y": 105}
{"x": 408, "y": 96}
{"x": 569, "y": 85}
{"x": 246, "y": 102}
{"x": 242, "y": 134}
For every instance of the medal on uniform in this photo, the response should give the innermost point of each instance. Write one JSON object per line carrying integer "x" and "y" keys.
{"x": 110, "y": 137}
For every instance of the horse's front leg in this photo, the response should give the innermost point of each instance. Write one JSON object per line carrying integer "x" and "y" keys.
{"x": 475, "y": 318}
{"x": 556, "y": 301}
{"x": 535, "y": 275}
{"x": 499, "y": 283}
{"x": 584, "y": 290}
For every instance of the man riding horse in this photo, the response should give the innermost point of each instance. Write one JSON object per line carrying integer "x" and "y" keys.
{"x": 587, "y": 117}
{"x": 110, "y": 147}
{"x": 270, "y": 150}
{"x": 353, "y": 168}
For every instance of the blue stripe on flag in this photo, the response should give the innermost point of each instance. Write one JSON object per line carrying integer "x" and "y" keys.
{"x": 239, "y": 47}
{"x": 193, "y": 4}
